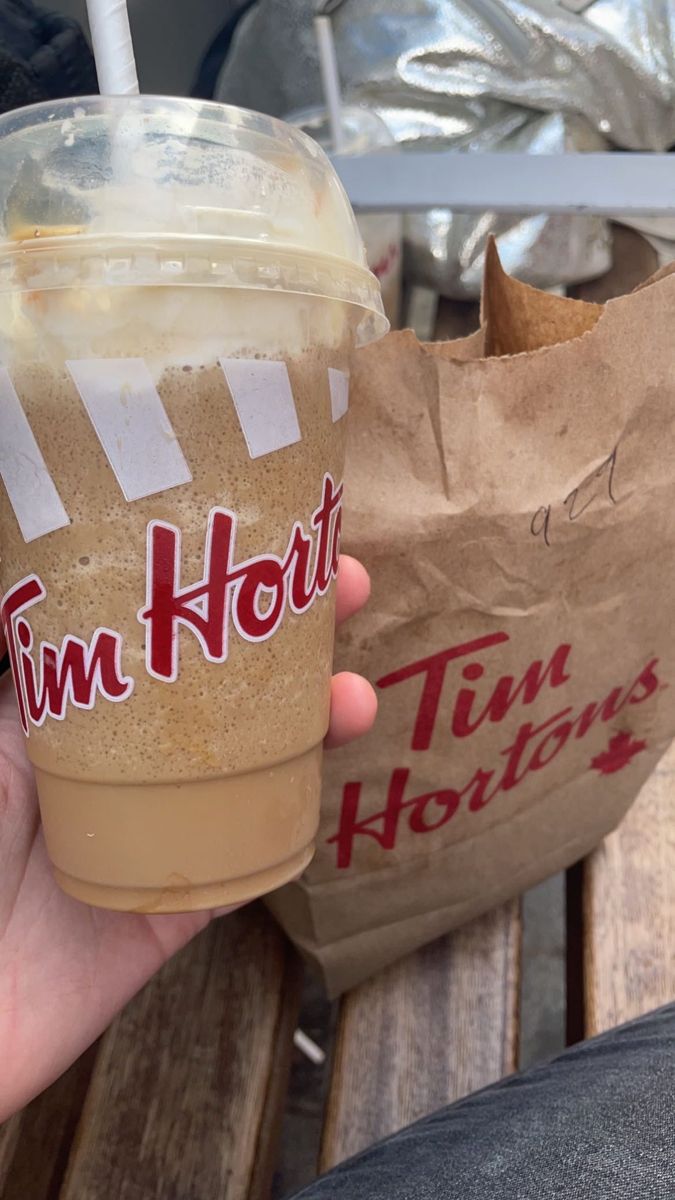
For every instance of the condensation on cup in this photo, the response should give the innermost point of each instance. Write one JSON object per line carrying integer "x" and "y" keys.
{"x": 363, "y": 132}
{"x": 181, "y": 287}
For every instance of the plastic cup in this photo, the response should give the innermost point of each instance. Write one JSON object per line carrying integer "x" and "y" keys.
{"x": 363, "y": 132}
{"x": 181, "y": 286}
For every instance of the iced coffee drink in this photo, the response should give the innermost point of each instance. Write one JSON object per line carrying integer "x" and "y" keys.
{"x": 175, "y": 333}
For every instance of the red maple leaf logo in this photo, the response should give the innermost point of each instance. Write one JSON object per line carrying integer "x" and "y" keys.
{"x": 621, "y": 750}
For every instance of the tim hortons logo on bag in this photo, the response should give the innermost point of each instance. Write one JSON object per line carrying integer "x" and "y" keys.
{"x": 50, "y": 677}
{"x": 536, "y": 744}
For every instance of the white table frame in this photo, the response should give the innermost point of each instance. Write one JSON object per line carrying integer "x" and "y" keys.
{"x": 614, "y": 184}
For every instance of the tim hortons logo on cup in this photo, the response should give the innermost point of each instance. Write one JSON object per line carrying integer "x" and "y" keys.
{"x": 230, "y": 593}
{"x": 536, "y": 744}
{"x": 133, "y": 428}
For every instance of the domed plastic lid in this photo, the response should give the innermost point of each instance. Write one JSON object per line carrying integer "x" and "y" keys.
{"x": 149, "y": 191}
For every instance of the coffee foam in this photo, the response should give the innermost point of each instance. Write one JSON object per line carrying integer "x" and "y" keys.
{"x": 166, "y": 326}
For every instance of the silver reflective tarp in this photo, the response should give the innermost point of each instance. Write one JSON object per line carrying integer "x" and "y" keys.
{"x": 480, "y": 75}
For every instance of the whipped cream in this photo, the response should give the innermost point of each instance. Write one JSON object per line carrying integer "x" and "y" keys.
{"x": 167, "y": 326}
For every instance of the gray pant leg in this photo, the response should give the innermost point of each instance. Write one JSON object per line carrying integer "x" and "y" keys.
{"x": 597, "y": 1123}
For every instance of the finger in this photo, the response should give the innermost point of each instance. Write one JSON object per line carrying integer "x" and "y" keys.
{"x": 353, "y": 588}
{"x": 353, "y": 708}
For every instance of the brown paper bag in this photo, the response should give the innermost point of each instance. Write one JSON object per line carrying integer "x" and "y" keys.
{"x": 516, "y": 512}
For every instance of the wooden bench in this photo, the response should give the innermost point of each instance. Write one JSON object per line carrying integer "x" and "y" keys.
{"x": 182, "y": 1098}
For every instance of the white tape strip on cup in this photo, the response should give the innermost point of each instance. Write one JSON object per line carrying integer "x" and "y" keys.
{"x": 263, "y": 398}
{"x": 32, "y": 494}
{"x": 131, "y": 423}
{"x": 338, "y": 382}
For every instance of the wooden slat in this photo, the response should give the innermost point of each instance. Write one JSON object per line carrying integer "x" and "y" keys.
{"x": 629, "y": 910}
{"x": 188, "y": 1084}
{"x": 35, "y": 1144}
{"x": 435, "y": 1026}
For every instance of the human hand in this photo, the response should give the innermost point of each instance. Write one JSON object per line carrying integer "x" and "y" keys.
{"x": 66, "y": 968}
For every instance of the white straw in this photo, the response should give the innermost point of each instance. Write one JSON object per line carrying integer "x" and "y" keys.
{"x": 309, "y": 1048}
{"x": 330, "y": 79}
{"x": 113, "y": 49}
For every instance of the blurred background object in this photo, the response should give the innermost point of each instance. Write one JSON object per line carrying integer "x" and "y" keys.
{"x": 43, "y": 56}
{"x": 171, "y": 38}
{"x": 479, "y": 75}
{"x": 541, "y": 76}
